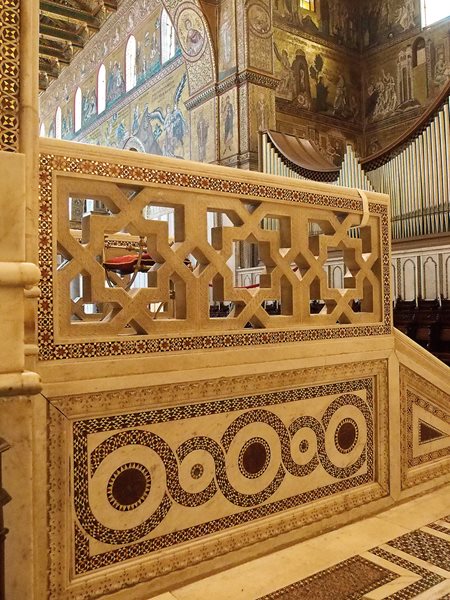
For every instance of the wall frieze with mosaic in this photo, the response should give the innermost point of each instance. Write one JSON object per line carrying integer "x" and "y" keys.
{"x": 9, "y": 75}
{"x": 261, "y": 79}
{"x": 244, "y": 77}
{"x": 276, "y": 439}
{"x": 114, "y": 34}
{"x": 129, "y": 98}
{"x": 227, "y": 84}
{"x": 201, "y": 97}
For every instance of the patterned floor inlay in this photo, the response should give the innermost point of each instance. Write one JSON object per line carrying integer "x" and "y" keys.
{"x": 427, "y": 581}
{"x": 357, "y": 576}
{"x": 348, "y": 580}
{"x": 425, "y": 546}
{"x": 439, "y": 527}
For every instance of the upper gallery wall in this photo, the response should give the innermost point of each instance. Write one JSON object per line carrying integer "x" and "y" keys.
{"x": 340, "y": 72}
{"x": 353, "y": 72}
{"x": 128, "y": 88}
{"x": 317, "y": 50}
{"x": 405, "y": 68}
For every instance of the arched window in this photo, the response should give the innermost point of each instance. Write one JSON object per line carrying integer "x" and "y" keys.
{"x": 77, "y": 111}
{"x": 42, "y": 130}
{"x": 307, "y": 4}
{"x": 130, "y": 64}
{"x": 101, "y": 89}
{"x": 167, "y": 37}
{"x": 419, "y": 56}
{"x": 58, "y": 123}
{"x": 433, "y": 10}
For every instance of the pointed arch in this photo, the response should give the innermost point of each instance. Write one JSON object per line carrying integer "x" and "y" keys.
{"x": 201, "y": 70}
{"x": 77, "y": 109}
{"x": 130, "y": 64}
{"x": 58, "y": 123}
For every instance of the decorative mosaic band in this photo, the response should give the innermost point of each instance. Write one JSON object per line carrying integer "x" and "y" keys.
{"x": 425, "y": 429}
{"x": 9, "y": 75}
{"x": 258, "y": 460}
{"x": 50, "y": 350}
{"x": 211, "y": 456}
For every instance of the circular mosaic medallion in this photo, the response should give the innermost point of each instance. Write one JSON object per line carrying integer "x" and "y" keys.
{"x": 346, "y": 435}
{"x": 254, "y": 458}
{"x": 191, "y": 32}
{"x": 303, "y": 446}
{"x": 197, "y": 471}
{"x": 129, "y": 486}
{"x": 259, "y": 20}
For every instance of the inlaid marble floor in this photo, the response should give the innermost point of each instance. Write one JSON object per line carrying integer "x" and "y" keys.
{"x": 399, "y": 554}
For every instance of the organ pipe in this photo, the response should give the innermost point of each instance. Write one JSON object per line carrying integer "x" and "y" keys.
{"x": 416, "y": 179}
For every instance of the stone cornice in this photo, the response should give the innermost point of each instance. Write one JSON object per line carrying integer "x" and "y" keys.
{"x": 235, "y": 80}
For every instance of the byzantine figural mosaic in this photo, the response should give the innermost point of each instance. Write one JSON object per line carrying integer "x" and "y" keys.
{"x": 328, "y": 91}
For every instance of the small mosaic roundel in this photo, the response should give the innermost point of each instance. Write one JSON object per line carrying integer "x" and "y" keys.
{"x": 346, "y": 435}
{"x": 254, "y": 457}
{"x": 197, "y": 471}
{"x": 303, "y": 446}
{"x": 129, "y": 486}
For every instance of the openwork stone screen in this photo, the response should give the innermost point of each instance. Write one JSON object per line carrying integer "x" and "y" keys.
{"x": 137, "y": 258}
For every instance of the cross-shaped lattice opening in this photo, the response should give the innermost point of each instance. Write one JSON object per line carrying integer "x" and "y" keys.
{"x": 317, "y": 304}
{"x": 345, "y": 267}
{"x": 218, "y": 218}
{"x": 252, "y": 252}
{"x": 83, "y": 307}
{"x": 79, "y": 206}
{"x": 171, "y": 214}
{"x": 174, "y": 307}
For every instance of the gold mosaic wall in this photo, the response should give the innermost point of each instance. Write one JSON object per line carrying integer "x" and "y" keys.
{"x": 319, "y": 93}
{"x": 401, "y": 79}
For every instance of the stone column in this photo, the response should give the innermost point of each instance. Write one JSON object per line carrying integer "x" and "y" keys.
{"x": 20, "y": 423}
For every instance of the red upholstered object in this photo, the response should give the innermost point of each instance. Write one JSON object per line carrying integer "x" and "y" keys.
{"x": 125, "y": 265}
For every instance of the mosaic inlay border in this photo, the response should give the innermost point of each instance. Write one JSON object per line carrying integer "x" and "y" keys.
{"x": 427, "y": 581}
{"x": 83, "y": 463}
{"x": 9, "y": 75}
{"x": 64, "y": 410}
{"x": 51, "y": 164}
{"x": 415, "y": 390}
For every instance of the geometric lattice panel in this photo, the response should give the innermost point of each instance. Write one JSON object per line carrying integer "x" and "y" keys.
{"x": 9, "y": 75}
{"x": 425, "y": 418}
{"x": 88, "y": 309}
{"x": 146, "y": 481}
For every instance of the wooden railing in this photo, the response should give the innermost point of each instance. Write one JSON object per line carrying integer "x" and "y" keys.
{"x": 87, "y": 297}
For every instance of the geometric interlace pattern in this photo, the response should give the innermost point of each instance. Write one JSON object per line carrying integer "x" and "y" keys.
{"x": 192, "y": 238}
